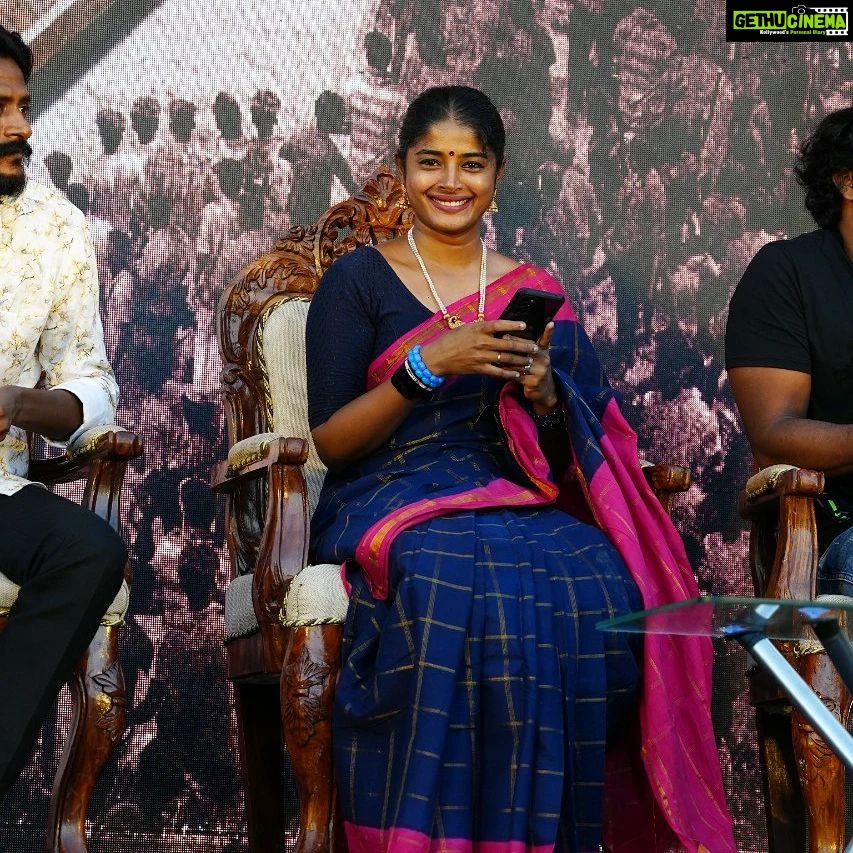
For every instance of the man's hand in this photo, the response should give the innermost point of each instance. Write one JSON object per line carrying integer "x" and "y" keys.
{"x": 9, "y": 405}
{"x": 55, "y": 414}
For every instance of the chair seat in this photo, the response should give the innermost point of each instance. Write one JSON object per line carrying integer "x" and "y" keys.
{"x": 114, "y": 615}
{"x": 317, "y": 596}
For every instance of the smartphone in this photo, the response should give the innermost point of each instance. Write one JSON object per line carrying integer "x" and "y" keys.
{"x": 536, "y": 307}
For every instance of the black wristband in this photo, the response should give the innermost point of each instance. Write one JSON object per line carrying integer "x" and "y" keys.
{"x": 408, "y": 386}
{"x": 550, "y": 420}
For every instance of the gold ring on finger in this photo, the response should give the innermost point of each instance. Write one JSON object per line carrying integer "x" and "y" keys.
{"x": 498, "y": 359}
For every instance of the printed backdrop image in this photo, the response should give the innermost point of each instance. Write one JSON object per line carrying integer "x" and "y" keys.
{"x": 647, "y": 162}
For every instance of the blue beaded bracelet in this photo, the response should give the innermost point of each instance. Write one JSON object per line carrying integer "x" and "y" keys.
{"x": 420, "y": 370}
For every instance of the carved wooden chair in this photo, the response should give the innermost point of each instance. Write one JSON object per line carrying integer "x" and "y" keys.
{"x": 99, "y": 458}
{"x": 803, "y": 779}
{"x": 283, "y": 618}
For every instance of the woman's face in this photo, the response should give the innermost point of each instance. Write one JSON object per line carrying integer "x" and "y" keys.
{"x": 450, "y": 179}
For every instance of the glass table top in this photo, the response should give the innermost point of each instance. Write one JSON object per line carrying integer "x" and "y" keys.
{"x": 728, "y": 616}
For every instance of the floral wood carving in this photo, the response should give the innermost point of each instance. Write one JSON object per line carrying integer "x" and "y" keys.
{"x": 307, "y": 680}
{"x": 110, "y": 701}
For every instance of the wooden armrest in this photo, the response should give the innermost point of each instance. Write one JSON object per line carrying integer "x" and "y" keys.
{"x": 268, "y": 519}
{"x": 778, "y": 502}
{"x": 667, "y": 478}
{"x": 113, "y": 445}
{"x": 666, "y": 481}
{"x": 767, "y": 487}
{"x": 281, "y": 451}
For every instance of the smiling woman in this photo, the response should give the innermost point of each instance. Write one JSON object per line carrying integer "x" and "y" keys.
{"x": 470, "y": 658}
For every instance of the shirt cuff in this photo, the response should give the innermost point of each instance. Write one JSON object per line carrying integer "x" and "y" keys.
{"x": 98, "y": 407}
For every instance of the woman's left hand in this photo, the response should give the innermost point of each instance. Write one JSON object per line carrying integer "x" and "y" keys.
{"x": 536, "y": 378}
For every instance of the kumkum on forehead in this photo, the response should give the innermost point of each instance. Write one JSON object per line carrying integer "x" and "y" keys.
{"x": 483, "y": 154}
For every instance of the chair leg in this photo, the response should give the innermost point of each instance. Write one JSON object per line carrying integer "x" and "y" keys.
{"x": 259, "y": 737}
{"x": 821, "y": 771}
{"x": 309, "y": 675}
{"x": 97, "y": 724}
{"x": 786, "y": 817}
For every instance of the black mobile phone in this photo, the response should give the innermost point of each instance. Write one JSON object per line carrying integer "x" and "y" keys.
{"x": 536, "y": 307}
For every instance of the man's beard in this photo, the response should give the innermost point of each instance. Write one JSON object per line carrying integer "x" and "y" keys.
{"x": 13, "y": 185}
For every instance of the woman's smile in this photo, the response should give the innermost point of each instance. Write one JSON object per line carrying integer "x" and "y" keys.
{"x": 451, "y": 205}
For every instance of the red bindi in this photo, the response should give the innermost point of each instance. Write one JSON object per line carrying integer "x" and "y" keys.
{"x": 451, "y": 153}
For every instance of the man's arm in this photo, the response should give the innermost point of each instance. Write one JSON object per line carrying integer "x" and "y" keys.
{"x": 773, "y": 405}
{"x": 53, "y": 414}
{"x": 75, "y": 370}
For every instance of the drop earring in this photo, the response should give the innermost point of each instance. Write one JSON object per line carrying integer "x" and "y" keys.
{"x": 493, "y": 207}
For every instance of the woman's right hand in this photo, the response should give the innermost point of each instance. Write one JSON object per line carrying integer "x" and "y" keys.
{"x": 487, "y": 347}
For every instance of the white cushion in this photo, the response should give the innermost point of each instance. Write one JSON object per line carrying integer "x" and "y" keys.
{"x": 114, "y": 615}
{"x": 240, "y": 619}
{"x": 316, "y": 597}
{"x": 283, "y": 346}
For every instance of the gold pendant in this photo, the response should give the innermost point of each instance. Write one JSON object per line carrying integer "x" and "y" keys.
{"x": 453, "y": 322}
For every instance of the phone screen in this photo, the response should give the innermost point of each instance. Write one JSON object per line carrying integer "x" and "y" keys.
{"x": 536, "y": 307}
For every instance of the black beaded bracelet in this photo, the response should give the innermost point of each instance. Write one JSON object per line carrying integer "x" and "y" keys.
{"x": 408, "y": 385}
{"x": 550, "y": 420}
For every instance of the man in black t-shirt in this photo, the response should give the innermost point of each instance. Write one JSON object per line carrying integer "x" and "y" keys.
{"x": 789, "y": 344}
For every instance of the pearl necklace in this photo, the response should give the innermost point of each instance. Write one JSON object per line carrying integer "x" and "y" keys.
{"x": 452, "y": 320}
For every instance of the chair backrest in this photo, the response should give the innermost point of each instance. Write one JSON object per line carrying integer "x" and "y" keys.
{"x": 261, "y": 333}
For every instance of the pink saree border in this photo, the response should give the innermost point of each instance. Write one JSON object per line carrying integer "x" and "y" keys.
{"x": 374, "y": 547}
{"x": 498, "y": 294}
{"x": 364, "y": 838}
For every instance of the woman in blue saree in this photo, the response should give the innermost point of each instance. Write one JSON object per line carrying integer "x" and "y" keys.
{"x": 485, "y": 500}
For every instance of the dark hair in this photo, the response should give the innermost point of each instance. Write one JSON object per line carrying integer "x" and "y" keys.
{"x": 463, "y": 104}
{"x": 106, "y": 116}
{"x": 78, "y": 195}
{"x": 159, "y": 210}
{"x": 330, "y": 112}
{"x": 225, "y": 103}
{"x": 198, "y": 503}
{"x": 229, "y": 175}
{"x": 121, "y": 243}
{"x": 378, "y": 50}
{"x": 197, "y": 565}
{"x": 228, "y": 116}
{"x": 111, "y": 126}
{"x": 145, "y": 117}
{"x": 181, "y": 106}
{"x": 826, "y": 153}
{"x": 13, "y": 47}
{"x": 59, "y": 161}
{"x": 146, "y": 105}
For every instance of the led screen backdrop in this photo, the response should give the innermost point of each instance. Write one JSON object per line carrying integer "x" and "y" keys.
{"x": 647, "y": 161}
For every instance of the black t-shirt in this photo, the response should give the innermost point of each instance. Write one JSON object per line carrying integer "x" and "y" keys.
{"x": 793, "y": 309}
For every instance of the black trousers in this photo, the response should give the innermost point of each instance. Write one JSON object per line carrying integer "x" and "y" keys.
{"x": 69, "y": 564}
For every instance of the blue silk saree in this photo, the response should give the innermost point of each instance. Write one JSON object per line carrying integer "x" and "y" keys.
{"x": 478, "y": 708}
